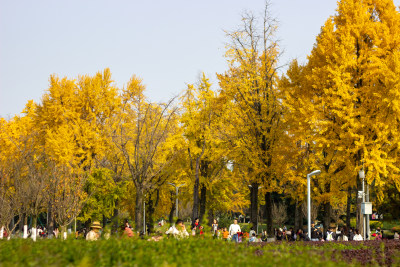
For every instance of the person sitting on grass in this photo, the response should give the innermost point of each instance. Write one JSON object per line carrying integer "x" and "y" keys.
{"x": 396, "y": 235}
{"x": 127, "y": 231}
{"x": 253, "y": 238}
{"x": 157, "y": 237}
{"x": 94, "y": 234}
{"x": 178, "y": 230}
{"x": 288, "y": 235}
{"x": 300, "y": 235}
{"x": 357, "y": 236}
{"x": 343, "y": 236}
{"x": 330, "y": 236}
{"x": 279, "y": 235}
{"x": 264, "y": 236}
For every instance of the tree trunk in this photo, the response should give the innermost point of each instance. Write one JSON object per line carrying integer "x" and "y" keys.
{"x": 33, "y": 229}
{"x": 327, "y": 215}
{"x": 348, "y": 210}
{"x": 139, "y": 209}
{"x": 298, "y": 216}
{"x": 104, "y": 221}
{"x": 21, "y": 222}
{"x": 171, "y": 213}
{"x": 203, "y": 199}
{"x": 254, "y": 205}
{"x": 150, "y": 221}
{"x": 210, "y": 217}
{"x": 12, "y": 225}
{"x": 63, "y": 233}
{"x": 268, "y": 213}
{"x": 49, "y": 215}
{"x": 195, "y": 211}
{"x": 115, "y": 219}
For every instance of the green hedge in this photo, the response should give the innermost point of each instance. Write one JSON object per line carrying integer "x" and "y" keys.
{"x": 191, "y": 252}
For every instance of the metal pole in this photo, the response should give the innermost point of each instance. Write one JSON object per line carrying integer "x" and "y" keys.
{"x": 75, "y": 225}
{"x": 363, "y": 216}
{"x": 177, "y": 207}
{"x": 308, "y": 206}
{"x": 367, "y": 216}
{"x": 144, "y": 215}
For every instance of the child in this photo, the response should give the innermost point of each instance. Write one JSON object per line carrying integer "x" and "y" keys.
{"x": 253, "y": 238}
{"x": 194, "y": 231}
{"x": 217, "y": 234}
{"x": 225, "y": 234}
{"x": 201, "y": 232}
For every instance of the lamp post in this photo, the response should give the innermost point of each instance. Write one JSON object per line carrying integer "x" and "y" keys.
{"x": 177, "y": 192}
{"x": 144, "y": 215}
{"x": 316, "y": 172}
{"x": 361, "y": 175}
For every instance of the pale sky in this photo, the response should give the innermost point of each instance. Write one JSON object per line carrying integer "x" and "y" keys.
{"x": 167, "y": 43}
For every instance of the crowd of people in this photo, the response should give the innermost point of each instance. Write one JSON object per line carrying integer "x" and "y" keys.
{"x": 234, "y": 233}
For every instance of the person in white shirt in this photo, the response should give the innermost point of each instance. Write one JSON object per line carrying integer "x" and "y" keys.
{"x": 178, "y": 230}
{"x": 234, "y": 229}
{"x": 357, "y": 236}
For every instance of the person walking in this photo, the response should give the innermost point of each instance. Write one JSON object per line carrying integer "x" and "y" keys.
{"x": 234, "y": 229}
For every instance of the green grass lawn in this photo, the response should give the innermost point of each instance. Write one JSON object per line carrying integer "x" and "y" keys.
{"x": 195, "y": 252}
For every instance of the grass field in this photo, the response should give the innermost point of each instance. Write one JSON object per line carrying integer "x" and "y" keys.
{"x": 195, "y": 252}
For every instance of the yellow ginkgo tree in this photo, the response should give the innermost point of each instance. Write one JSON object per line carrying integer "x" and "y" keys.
{"x": 349, "y": 98}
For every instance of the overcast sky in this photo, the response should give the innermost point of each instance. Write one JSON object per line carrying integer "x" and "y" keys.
{"x": 167, "y": 43}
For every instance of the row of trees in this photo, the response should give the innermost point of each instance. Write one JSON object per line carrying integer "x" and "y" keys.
{"x": 91, "y": 150}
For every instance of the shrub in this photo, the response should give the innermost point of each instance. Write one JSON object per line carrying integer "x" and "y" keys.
{"x": 375, "y": 224}
{"x": 396, "y": 229}
{"x": 195, "y": 252}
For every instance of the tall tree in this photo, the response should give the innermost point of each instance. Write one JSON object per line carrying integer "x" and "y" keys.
{"x": 199, "y": 105}
{"x": 139, "y": 133}
{"x": 249, "y": 88}
{"x": 350, "y": 94}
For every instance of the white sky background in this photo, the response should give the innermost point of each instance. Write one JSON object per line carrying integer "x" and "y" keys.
{"x": 167, "y": 43}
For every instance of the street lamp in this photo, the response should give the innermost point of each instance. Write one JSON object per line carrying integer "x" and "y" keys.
{"x": 144, "y": 215}
{"x": 361, "y": 175}
{"x": 177, "y": 192}
{"x": 316, "y": 172}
